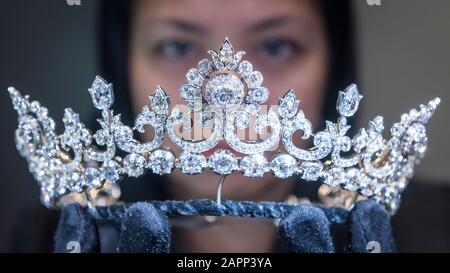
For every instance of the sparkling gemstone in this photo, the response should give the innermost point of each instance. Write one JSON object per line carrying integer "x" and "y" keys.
{"x": 344, "y": 143}
{"x": 20, "y": 103}
{"x": 160, "y": 102}
{"x": 253, "y": 108}
{"x": 226, "y": 58}
{"x": 393, "y": 143}
{"x": 224, "y": 90}
{"x": 194, "y": 77}
{"x": 192, "y": 163}
{"x": 423, "y": 115}
{"x": 414, "y": 114}
{"x": 110, "y": 170}
{"x": 302, "y": 123}
{"x": 216, "y": 60}
{"x": 93, "y": 177}
{"x": 288, "y": 105}
{"x": 258, "y": 95}
{"x": 71, "y": 119}
{"x": 261, "y": 124}
{"x": 206, "y": 118}
{"x": 311, "y": 170}
{"x": 376, "y": 126}
{"x": 426, "y": 112}
{"x": 351, "y": 179}
{"x": 348, "y": 101}
{"x": 254, "y": 165}
{"x": 416, "y": 132}
{"x": 334, "y": 177}
{"x": 42, "y": 112}
{"x": 204, "y": 66}
{"x": 62, "y": 184}
{"x": 35, "y": 106}
{"x": 405, "y": 119}
{"x": 245, "y": 68}
{"x": 226, "y": 51}
{"x": 283, "y": 165}
{"x": 48, "y": 198}
{"x": 101, "y": 136}
{"x": 189, "y": 92}
{"x": 242, "y": 119}
{"x": 360, "y": 140}
{"x": 134, "y": 165}
{"x": 420, "y": 148}
{"x": 101, "y": 93}
{"x": 145, "y": 117}
{"x": 397, "y": 130}
{"x": 223, "y": 162}
{"x": 122, "y": 134}
{"x": 254, "y": 79}
{"x": 367, "y": 186}
{"x": 86, "y": 137}
{"x": 75, "y": 182}
{"x": 227, "y": 55}
{"x": 196, "y": 104}
{"x": 161, "y": 162}
{"x": 48, "y": 124}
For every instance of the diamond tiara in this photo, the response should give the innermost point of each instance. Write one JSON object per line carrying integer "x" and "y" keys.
{"x": 226, "y": 92}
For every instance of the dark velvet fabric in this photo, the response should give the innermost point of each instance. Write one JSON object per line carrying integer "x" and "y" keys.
{"x": 371, "y": 228}
{"x": 145, "y": 227}
{"x": 307, "y": 229}
{"x": 76, "y": 231}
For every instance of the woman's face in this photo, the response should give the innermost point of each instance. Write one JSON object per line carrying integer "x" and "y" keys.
{"x": 284, "y": 39}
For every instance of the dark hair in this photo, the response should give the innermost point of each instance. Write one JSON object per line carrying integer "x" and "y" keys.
{"x": 114, "y": 34}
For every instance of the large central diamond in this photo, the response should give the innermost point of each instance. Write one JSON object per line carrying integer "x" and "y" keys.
{"x": 224, "y": 90}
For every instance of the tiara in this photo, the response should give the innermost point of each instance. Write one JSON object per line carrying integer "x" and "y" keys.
{"x": 223, "y": 93}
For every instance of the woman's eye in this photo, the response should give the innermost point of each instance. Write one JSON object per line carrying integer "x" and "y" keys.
{"x": 176, "y": 49}
{"x": 279, "y": 48}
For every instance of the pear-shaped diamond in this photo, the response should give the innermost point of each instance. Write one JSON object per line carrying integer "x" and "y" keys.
{"x": 101, "y": 93}
{"x": 227, "y": 58}
{"x": 348, "y": 101}
{"x": 160, "y": 101}
{"x": 288, "y": 105}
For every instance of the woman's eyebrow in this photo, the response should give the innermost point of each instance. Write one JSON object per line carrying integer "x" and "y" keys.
{"x": 274, "y": 22}
{"x": 178, "y": 24}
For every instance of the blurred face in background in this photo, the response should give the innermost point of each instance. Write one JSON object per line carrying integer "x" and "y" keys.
{"x": 284, "y": 39}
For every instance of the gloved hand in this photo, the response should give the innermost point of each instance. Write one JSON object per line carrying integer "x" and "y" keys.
{"x": 308, "y": 229}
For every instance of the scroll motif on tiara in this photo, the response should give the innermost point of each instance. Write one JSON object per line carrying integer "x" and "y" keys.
{"x": 226, "y": 92}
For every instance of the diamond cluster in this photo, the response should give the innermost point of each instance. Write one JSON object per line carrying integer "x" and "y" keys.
{"x": 226, "y": 92}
